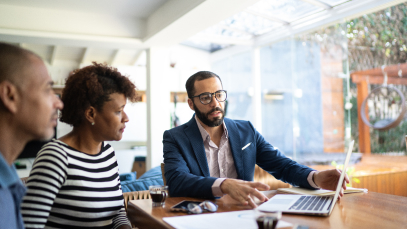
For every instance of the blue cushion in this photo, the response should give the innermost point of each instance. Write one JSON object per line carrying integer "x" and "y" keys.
{"x": 151, "y": 177}
{"x": 151, "y": 173}
{"x": 128, "y": 176}
{"x": 141, "y": 184}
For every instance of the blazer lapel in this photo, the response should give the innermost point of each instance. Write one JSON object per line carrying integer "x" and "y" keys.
{"x": 195, "y": 138}
{"x": 234, "y": 141}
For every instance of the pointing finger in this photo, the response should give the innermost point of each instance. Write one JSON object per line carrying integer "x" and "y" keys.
{"x": 251, "y": 203}
{"x": 260, "y": 186}
{"x": 258, "y": 195}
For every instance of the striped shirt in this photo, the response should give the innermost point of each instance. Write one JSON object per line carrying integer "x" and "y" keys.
{"x": 71, "y": 189}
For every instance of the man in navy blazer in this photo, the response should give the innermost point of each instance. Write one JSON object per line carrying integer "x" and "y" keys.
{"x": 211, "y": 155}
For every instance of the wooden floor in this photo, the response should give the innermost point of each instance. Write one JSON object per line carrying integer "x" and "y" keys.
{"x": 382, "y": 174}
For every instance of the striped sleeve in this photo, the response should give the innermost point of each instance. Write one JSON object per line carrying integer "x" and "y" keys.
{"x": 48, "y": 174}
{"x": 121, "y": 217}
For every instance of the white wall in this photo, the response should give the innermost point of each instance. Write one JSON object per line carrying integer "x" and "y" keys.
{"x": 187, "y": 62}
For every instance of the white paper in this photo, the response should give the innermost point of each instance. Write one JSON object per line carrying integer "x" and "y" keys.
{"x": 236, "y": 219}
{"x": 319, "y": 192}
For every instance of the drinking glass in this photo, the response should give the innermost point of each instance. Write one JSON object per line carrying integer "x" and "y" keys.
{"x": 158, "y": 194}
{"x": 267, "y": 220}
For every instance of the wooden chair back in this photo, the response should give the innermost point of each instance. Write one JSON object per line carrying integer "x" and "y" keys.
{"x": 163, "y": 173}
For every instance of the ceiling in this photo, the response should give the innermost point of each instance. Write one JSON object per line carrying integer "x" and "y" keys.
{"x": 140, "y": 9}
{"x": 117, "y": 32}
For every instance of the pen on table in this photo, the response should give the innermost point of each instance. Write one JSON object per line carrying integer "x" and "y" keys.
{"x": 244, "y": 147}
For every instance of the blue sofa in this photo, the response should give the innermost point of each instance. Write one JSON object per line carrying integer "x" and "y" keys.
{"x": 151, "y": 177}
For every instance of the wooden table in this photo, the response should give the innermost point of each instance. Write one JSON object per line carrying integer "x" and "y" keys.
{"x": 360, "y": 210}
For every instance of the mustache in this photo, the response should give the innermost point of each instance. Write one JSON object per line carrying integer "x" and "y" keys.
{"x": 215, "y": 109}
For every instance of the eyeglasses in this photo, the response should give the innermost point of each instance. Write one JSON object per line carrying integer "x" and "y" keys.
{"x": 206, "y": 97}
{"x": 204, "y": 206}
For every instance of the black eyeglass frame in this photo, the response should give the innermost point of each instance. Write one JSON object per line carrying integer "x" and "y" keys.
{"x": 212, "y": 95}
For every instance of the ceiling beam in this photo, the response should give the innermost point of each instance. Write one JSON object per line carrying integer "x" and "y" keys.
{"x": 114, "y": 57}
{"x": 319, "y": 4}
{"x": 84, "y": 56}
{"x": 177, "y": 20}
{"x": 53, "y": 55}
{"x": 67, "y": 39}
{"x": 35, "y": 25}
{"x": 138, "y": 55}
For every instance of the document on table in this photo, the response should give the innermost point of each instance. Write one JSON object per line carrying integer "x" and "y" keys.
{"x": 319, "y": 192}
{"x": 236, "y": 219}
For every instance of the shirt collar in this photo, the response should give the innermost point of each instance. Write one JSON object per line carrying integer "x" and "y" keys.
{"x": 8, "y": 173}
{"x": 204, "y": 133}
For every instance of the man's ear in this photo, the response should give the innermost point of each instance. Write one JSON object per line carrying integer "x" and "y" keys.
{"x": 90, "y": 114}
{"x": 9, "y": 96}
{"x": 191, "y": 104}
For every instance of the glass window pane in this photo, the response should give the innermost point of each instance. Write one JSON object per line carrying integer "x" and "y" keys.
{"x": 304, "y": 88}
{"x": 221, "y": 30}
{"x": 204, "y": 45}
{"x": 235, "y": 72}
{"x": 294, "y": 121}
{"x": 250, "y": 24}
{"x": 287, "y": 10}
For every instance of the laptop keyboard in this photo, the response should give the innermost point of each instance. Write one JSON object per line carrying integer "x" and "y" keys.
{"x": 310, "y": 203}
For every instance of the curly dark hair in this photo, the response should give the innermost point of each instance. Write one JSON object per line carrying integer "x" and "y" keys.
{"x": 92, "y": 86}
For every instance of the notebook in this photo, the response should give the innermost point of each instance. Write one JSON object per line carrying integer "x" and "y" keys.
{"x": 319, "y": 192}
{"x": 307, "y": 204}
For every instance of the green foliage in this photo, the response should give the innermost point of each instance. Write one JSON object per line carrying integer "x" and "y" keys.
{"x": 373, "y": 40}
{"x": 392, "y": 140}
{"x": 378, "y": 38}
{"x": 354, "y": 119}
{"x": 370, "y": 41}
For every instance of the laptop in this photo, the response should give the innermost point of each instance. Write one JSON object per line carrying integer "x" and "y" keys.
{"x": 306, "y": 204}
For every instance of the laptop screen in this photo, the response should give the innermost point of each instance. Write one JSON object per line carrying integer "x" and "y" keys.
{"x": 340, "y": 181}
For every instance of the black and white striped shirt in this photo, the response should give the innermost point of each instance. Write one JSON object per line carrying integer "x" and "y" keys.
{"x": 71, "y": 189}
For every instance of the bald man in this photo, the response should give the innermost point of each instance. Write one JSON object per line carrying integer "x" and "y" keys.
{"x": 28, "y": 111}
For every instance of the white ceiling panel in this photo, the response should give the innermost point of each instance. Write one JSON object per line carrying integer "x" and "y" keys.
{"x": 126, "y": 57}
{"x": 134, "y": 8}
{"x": 69, "y": 53}
{"x": 100, "y": 55}
{"x": 44, "y": 51}
{"x": 117, "y": 31}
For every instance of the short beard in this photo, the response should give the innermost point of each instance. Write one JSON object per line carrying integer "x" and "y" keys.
{"x": 204, "y": 117}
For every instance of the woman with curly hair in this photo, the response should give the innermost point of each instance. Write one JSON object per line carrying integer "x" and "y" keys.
{"x": 74, "y": 182}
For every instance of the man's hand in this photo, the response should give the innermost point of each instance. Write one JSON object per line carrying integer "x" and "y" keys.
{"x": 243, "y": 191}
{"x": 328, "y": 179}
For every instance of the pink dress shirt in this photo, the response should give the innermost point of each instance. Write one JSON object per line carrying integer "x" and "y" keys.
{"x": 220, "y": 159}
